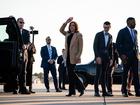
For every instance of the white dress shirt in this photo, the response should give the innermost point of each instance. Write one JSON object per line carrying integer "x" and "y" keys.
{"x": 106, "y": 36}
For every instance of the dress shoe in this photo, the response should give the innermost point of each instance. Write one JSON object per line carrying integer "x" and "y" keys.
{"x": 58, "y": 90}
{"x": 15, "y": 92}
{"x": 81, "y": 93}
{"x": 130, "y": 94}
{"x": 25, "y": 92}
{"x": 110, "y": 93}
{"x": 97, "y": 94}
{"x": 69, "y": 95}
{"x": 48, "y": 90}
{"x": 107, "y": 94}
{"x": 31, "y": 91}
{"x": 124, "y": 94}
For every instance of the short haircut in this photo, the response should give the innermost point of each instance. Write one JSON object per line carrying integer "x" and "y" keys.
{"x": 130, "y": 18}
{"x": 107, "y": 23}
{"x": 48, "y": 37}
{"x": 20, "y": 19}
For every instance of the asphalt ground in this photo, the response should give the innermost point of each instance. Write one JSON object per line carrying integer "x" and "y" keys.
{"x": 41, "y": 97}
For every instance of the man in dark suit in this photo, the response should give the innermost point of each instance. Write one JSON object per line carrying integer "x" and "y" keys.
{"x": 128, "y": 50}
{"x": 26, "y": 41}
{"x": 103, "y": 56}
{"x": 49, "y": 55}
{"x": 62, "y": 69}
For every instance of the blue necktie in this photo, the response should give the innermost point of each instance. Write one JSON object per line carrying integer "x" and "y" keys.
{"x": 50, "y": 52}
{"x": 132, "y": 35}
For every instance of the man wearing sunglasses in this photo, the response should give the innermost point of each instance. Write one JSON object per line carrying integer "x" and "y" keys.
{"x": 22, "y": 73}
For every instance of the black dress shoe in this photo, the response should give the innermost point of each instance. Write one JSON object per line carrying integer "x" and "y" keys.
{"x": 31, "y": 91}
{"x": 130, "y": 94}
{"x": 48, "y": 90}
{"x": 97, "y": 94}
{"x": 25, "y": 92}
{"x": 124, "y": 94}
{"x": 110, "y": 93}
{"x": 68, "y": 95}
{"x": 81, "y": 93}
{"x": 15, "y": 92}
{"x": 58, "y": 90}
{"x": 107, "y": 94}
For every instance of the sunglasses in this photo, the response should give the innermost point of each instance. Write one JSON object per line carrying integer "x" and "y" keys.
{"x": 21, "y": 22}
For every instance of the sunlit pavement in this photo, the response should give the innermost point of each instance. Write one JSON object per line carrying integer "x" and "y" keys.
{"x": 41, "y": 97}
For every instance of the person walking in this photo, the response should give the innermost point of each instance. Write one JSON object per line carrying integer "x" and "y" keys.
{"x": 103, "y": 55}
{"x": 73, "y": 46}
{"x": 49, "y": 55}
{"x": 127, "y": 48}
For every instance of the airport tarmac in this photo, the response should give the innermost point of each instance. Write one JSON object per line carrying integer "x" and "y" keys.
{"x": 41, "y": 97}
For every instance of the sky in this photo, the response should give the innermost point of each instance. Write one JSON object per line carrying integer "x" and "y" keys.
{"x": 47, "y": 16}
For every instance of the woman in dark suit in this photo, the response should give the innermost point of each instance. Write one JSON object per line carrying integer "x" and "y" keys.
{"x": 73, "y": 46}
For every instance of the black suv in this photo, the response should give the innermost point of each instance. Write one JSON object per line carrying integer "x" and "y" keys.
{"x": 11, "y": 54}
{"x": 87, "y": 72}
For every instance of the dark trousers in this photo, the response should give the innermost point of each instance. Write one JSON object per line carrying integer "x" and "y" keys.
{"x": 101, "y": 76}
{"x": 62, "y": 77}
{"x": 74, "y": 82}
{"x": 109, "y": 78}
{"x": 22, "y": 77}
{"x": 130, "y": 78}
{"x": 52, "y": 69}
{"x": 131, "y": 64}
{"x": 29, "y": 71}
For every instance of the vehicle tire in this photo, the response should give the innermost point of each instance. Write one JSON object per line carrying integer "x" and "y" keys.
{"x": 83, "y": 79}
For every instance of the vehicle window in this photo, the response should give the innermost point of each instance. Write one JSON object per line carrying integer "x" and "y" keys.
{"x": 3, "y": 35}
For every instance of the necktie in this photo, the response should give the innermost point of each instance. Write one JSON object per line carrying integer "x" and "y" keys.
{"x": 132, "y": 35}
{"x": 50, "y": 52}
{"x": 106, "y": 33}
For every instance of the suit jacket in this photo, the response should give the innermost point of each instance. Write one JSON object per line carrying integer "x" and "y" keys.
{"x": 25, "y": 36}
{"x": 76, "y": 47}
{"x": 125, "y": 44}
{"x": 45, "y": 55}
{"x": 100, "y": 49}
{"x": 60, "y": 62}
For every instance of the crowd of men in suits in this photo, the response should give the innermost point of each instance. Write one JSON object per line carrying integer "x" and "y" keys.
{"x": 106, "y": 57}
{"x": 127, "y": 49}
